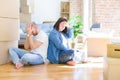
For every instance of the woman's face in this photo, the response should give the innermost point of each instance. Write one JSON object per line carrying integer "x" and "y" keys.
{"x": 62, "y": 25}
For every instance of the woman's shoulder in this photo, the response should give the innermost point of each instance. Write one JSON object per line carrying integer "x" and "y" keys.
{"x": 54, "y": 31}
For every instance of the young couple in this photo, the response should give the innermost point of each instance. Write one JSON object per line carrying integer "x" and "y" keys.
{"x": 56, "y": 51}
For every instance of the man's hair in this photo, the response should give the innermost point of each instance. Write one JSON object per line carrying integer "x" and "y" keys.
{"x": 33, "y": 23}
{"x": 56, "y": 26}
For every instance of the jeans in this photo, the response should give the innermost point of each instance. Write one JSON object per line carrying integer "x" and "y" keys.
{"x": 25, "y": 57}
{"x": 66, "y": 56}
{"x": 78, "y": 56}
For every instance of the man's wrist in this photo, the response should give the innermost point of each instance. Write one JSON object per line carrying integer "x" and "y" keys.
{"x": 28, "y": 35}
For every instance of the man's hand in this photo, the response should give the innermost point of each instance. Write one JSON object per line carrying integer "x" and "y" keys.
{"x": 29, "y": 33}
{"x": 29, "y": 28}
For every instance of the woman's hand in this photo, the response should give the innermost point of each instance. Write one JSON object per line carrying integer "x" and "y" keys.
{"x": 67, "y": 25}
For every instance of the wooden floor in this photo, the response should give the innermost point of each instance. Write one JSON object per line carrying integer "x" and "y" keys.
{"x": 87, "y": 71}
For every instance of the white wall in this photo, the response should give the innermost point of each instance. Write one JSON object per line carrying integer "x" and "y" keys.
{"x": 46, "y": 10}
{"x": 86, "y": 14}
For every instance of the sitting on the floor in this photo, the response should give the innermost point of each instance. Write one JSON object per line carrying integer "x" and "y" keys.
{"x": 37, "y": 42}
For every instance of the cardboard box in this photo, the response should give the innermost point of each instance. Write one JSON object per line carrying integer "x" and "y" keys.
{"x": 4, "y": 46}
{"x": 23, "y": 2}
{"x": 112, "y": 69}
{"x": 25, "y": 17}
{"x": 9, "y": 29}
{"x": 25, "y": 9}
{"x": 9, "y": 8}
{"x": 113, "y": 50}
{"x": 97, "y": 46}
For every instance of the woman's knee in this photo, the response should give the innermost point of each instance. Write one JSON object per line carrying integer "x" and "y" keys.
{"x": 68, "y": 51}
{"x": 63, "y": 57}
{"x": 66, "y": 55}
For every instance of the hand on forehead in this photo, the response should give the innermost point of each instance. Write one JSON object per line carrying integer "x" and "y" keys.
{"x": 31, "y": 24}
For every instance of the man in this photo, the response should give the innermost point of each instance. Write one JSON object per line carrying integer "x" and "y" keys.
{"x": 37, "y": 42}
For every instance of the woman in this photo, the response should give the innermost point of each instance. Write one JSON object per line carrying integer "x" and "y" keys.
{"x": 58, "y": 50}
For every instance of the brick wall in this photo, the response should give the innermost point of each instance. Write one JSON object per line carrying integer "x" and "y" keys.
{"x": 107, "y": 12}
{"x": 76, "y": 7}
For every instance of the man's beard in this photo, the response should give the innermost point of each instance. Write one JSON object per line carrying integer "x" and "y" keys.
{"x": 34, "y": 34}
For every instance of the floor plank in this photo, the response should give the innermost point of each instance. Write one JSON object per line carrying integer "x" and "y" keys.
{"x": 92, "y": 70}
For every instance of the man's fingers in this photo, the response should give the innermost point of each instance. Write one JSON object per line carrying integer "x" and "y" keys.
{"x": 29, "y": 24}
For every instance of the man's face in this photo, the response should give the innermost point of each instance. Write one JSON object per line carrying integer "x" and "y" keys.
{"x": 34, "y": 30}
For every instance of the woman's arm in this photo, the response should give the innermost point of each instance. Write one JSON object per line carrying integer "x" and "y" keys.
{"x": 69, "y": 33}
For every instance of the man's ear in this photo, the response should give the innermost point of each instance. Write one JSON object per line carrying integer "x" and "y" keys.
{"x": 37, "y": 30}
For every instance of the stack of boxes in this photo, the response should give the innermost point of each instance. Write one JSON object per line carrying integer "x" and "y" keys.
{"x": 112, "y": 62}
{"x": 9, "y": 27}
{"x": 26, "y": 8}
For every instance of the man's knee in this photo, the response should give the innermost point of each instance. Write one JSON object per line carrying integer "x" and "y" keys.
{"x": 25, "y": 56}
{"x": 11, "y": 49}
{"x": 26, "y": 59}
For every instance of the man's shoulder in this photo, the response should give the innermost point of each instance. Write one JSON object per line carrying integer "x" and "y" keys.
{"x": 42, "y": 33}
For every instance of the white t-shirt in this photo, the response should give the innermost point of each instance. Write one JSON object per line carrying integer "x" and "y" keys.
{"x": 65, "y": 41}
{"x": 42, "y": 49}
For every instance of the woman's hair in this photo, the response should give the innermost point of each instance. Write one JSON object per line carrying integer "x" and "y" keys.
{"x": 56, "y": 26}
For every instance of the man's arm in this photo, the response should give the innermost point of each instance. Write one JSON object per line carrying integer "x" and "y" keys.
{"x": 29, "y": 42}
{"x": 32, "y": 44}
{"x": 26, "y": 43}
